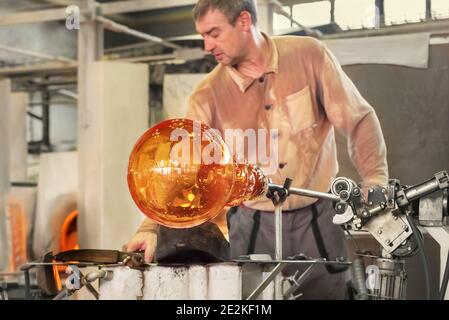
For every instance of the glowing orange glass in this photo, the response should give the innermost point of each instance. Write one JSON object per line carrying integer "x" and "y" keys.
{"x": 181, "y": 174}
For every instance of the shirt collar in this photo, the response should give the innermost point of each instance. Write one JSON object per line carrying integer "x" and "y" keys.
{"x": 244, "y": 82}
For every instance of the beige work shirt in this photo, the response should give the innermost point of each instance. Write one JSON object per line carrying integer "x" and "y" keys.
{"x": 304, "y": 94}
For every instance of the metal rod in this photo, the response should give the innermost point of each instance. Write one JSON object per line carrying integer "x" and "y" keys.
{"x": 278, "y": 231}
{"x": 36, "y": 54}
{"x": 27, "y": 284}
{"x": 428, "y": 9}
{"x": 32, "y": 115}
{"x": 422, "y": 189}
{"x": 278, "y": 268}
{"x": 114, "y": 26}
{"x": 308, "y": 193}
{"x": 86, "y": 282}
{"x": 297, "y": 283}
{"x": 381, "y": 12}
{"x": 68, "y": 93}
{"x": 53, "y": 102}
{"x": 79, "y": 264}
{"x": 332, "y": 11}
{"x": 158, "y": 57}
{"x": 11, "y": 274}
{"x": 46, "y": 119}
{"x": 278, "y": 249}
{"x": 293, "y": 262}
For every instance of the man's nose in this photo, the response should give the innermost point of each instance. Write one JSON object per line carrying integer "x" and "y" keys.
{"x": 209, "y": 45}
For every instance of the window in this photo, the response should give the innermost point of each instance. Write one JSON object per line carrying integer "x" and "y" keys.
{"x": 312, "y": 14}
{"x": 355, "y": 14}
{"x": 396, "y": 12}
{"x": 280, "y": 22}
{"x": 440, "y": 9}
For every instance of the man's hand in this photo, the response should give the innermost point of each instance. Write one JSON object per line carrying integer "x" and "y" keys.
{"x": 144, "y": 241}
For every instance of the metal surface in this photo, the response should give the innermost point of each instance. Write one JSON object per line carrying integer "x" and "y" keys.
{"x": 441, "y": 235}
{"x": 292, "y": 261}
{"x": 390, "y": 231}
{"x": 431, "y": 209}
{"x": 278, "y": 195}
{"x": 278, "y": 231}
{"x": 131, "y": 259}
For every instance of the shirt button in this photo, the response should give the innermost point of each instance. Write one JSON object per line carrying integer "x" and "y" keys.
{"x": 268, "y": 107}
{"x": 282, "y": 165}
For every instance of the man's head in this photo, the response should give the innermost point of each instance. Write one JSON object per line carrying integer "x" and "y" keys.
{"x": 226, "y": 26}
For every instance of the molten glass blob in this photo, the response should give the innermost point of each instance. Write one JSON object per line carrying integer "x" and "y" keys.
{"x": 181, "y": 174}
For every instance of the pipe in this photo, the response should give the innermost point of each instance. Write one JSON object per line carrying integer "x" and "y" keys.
{"x": 116, "y": 27}
{"x": 358, "y": 279}
{"x": 36, "y": 54}
{"x": 308, "y": 193}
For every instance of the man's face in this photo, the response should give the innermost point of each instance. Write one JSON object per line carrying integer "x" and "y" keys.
{"x": 225, "y": 41}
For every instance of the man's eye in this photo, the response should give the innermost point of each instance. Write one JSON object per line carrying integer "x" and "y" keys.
{"x": 214, "y": 34}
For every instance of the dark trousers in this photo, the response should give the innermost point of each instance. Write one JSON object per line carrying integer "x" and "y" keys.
{"x": 252, "y": 231}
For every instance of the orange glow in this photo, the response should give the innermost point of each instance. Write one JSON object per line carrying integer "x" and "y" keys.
{"x": 18, "y": 234}
{"x": 68, "y": 239}
{"x": 173, "y": 180}
{"x": 57, "y": 277}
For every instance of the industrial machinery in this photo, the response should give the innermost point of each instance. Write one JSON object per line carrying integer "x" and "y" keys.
{"x": 389, "y": 214}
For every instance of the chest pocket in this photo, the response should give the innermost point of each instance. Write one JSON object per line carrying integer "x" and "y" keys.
{"x": 300, "y": 111}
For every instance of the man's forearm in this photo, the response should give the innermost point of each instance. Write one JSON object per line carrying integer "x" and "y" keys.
{"x": 148, "y": 225}
{"x": 368, "y": 151}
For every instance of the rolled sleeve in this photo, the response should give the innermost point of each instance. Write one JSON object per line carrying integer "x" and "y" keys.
{"x": 353, "y": 116}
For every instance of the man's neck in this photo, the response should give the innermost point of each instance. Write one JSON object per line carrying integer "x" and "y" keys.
{"x": 255, "y": 61}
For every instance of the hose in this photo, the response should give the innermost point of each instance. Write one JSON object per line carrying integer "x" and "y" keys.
{"x": 421, "y": 253}
{"x": 359, "y": 280}
{"x": 445, "y": 279}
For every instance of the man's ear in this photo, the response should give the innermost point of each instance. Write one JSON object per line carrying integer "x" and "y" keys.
{"x": 244, "y": 20}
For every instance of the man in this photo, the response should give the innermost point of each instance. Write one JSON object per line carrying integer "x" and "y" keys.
{"x": 294, "y": 85}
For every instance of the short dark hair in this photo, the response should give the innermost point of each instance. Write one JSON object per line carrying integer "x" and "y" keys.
{"x": 230, "y": 8}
